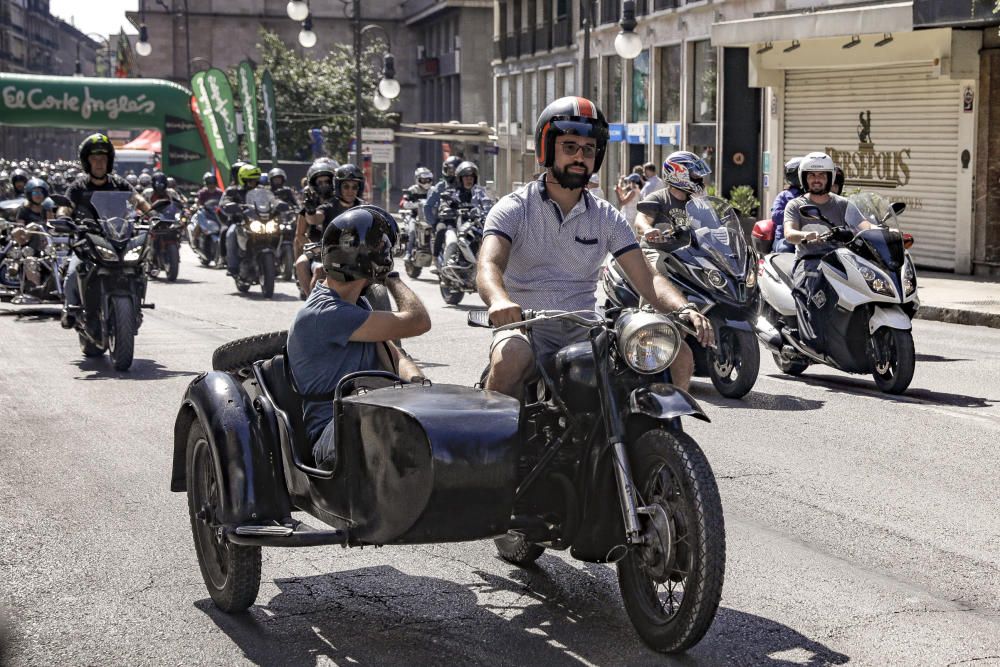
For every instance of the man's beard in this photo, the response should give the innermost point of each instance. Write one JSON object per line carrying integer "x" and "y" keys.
{"x": 569, "y": 180}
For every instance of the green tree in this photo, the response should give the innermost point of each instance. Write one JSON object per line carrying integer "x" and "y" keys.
{"x": 319, "y": 92}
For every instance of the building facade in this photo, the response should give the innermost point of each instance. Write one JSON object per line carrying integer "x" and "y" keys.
{"x": 32, "y": 40}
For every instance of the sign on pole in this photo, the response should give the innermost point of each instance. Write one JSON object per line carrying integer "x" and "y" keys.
{"x": 377, "y": 134}
{"x": 384, "y": 153}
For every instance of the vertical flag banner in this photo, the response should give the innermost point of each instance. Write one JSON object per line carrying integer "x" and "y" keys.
{"x": 248, "y": 100}
{"x": 224, "y": 108}
{"x": 203, "y": 133}
{"x": 267, "y": 102}
{"x": 213, "y": 133}
{"x": 124, "y": 58}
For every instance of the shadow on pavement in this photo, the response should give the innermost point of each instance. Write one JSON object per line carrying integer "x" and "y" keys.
{"x": 936, "y": 357}
{"x": 100, "y": 368}
{"x": 255, "y": 295}
{"x": 175, "y": 281}
{"x": 755, "y": 399}
{"x": 550, "y": 614}
{"x": 33, "y": 313}
{"x": 850, "y": 385}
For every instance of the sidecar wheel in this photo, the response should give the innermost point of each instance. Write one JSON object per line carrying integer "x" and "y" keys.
{"x": 671, "y": 586}
{"x": 231, "y": 572}
{"x": 239, "y": 354}
{"x": 514, "y": 549}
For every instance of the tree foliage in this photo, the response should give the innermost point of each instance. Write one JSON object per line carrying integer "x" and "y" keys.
{"x": 319, "y": 92}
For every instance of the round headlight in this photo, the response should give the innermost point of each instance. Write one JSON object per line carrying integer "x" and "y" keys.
{"x": 648, "y": 342}
{"x": 866, "y": 273}
{"x": 271, "y": 227}
{"x": 256, "y": 227}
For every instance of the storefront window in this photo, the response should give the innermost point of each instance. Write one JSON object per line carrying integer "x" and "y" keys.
{"x": 668, "y": 107}
{"x": 704, "y": 82}
{"x": 639, "y": 107}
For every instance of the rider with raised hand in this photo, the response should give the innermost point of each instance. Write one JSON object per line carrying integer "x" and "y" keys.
{"x": 684, "y": 176}
{"x": 247, "y": 178}
{"x": 97, "y": 157}
{"x": 336, "y": 332}
{"x": 335, "y": 197}
{"x": 447, "y": 182}
{"x": 544, "y": 245}
{"x": 817, "y": 173}
{"x": 276, "y": 180}
{"x": 793, "y": 191}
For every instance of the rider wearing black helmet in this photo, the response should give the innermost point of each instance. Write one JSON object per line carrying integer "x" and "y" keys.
{"x": 18, "y": 180}
{"x": 277, "y": 179}
{"x": 447, "y": 181}
{"x": 544, "y": 245}
{"x": 793, "y": 191}
{"x": 97, "y": 157}
{"x": 210, "y": 191}
{"x": 160, "y": 189}
{"x": 336, "y": 332}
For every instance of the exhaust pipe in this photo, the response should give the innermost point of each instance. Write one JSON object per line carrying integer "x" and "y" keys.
{"x": 767, "y": 333}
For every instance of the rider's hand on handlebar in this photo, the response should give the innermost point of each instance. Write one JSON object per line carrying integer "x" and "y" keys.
{"x": 842, "y": 235}
{"x": 811, "y": 237}
{"x": 654, "y": 235}
{"x": 702, "y": 327}
{"x": 504, "y": 312}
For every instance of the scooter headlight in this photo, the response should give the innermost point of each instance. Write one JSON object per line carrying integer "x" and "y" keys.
{"x": 135, "y": 248}
{"x": 103, "y": 248}
{"x": 877, "y": 281}
{"x": 648, "y": 342}
{"x": 909, "y": 277}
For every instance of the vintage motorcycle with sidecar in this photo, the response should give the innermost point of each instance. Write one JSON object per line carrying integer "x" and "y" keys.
{"x": 594, "y": 460}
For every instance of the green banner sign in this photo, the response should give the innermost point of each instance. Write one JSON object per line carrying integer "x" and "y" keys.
{"x": 106, "y": 104}
{"x": 267, "y": 102}
{"x": 248, "y": 99}
{"x": 224, "y": 109}
{"x": 213, "y": 133}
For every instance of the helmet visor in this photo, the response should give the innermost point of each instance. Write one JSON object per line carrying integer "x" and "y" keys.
{"x": 581, "y": 128}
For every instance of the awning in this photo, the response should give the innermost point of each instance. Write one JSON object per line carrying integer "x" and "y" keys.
{"x": 148, "y": 140}
{"x": 477, "y": 133}
{"x": 833, "y": 22}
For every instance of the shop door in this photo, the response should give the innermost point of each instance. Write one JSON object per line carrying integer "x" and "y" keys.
{"x": 894, "y": 131}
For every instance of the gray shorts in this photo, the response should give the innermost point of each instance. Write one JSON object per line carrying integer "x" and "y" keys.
{"x": 547, "y": 337}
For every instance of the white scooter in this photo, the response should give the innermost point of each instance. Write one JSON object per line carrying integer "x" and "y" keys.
{"x": 875, "y": 283}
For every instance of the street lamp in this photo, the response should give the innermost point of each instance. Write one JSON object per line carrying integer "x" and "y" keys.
{"x": 381, "y": 103}
{"x": 627, "y": 43}
{"x": 143, "y": 47}
{"x": 297, "y": 10}
{"x": 307, "y": 38}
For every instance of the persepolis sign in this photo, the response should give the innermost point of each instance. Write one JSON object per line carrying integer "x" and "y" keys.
{"x": 867, "y": 167}
{"x": 106, "y": 104}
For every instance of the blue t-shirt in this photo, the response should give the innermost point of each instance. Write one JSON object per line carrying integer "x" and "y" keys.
{"x": 320, "y": 351}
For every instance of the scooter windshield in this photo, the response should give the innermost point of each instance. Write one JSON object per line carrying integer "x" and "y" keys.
{"x": 876, "y": 209}
{"x": 715, "y": 229}
{"x": 883, "y": 243}
{"x": 261, "y": 199}
{"x": 112, "y": 204}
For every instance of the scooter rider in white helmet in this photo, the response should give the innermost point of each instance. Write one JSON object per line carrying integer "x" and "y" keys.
{"x": 812, "y": 300}
{"x": 413, "y": 201}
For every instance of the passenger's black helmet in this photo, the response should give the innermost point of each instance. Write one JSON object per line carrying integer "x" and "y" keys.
{"x": 467, "y": 168}
{"x": 349, "y": 172}
{"x": 792, "y": 172}
{"x": 321, "y": 167}
{"x": 276, "y": 173}
{"x": 449, "y": 166}
{"x": 208, "y": 178}
{"x": 19, "y": 175}
{"x": 234, "y": 171}
{"x": 96, "y": 144}
{"x": 159, "y": 182}
{"x": 358, "y": 243}
{"x": 570, "y": 115}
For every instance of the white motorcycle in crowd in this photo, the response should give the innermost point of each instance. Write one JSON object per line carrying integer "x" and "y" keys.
{"x": 869, "y": 329}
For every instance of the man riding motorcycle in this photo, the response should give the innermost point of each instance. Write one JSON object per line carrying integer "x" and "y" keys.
{"x": 247, "y": 178}
{"x": 336, "y": 332}
{"x": 684, "y": 175}
{"x": 97, "y": 157}
{"x": 544, "y": 245}
{"x": 18, "y": 180}
{"x": 447, "y": 182}
{"x": 466, "y": 191}
{"x": 160, "y": 190}
{"x": 817, "y": 173}
{"x": 332, "y": 198}
{"x": 413, "y": 201}
{"x": 276, "y": 181}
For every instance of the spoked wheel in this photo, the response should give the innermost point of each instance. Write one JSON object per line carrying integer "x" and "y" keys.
{"x": 893, "y": 359}
{"x": 516, "y": 550}
{"x": 734, "y": 364}
{"x": 231, "y": 572}
{"x": 121, "y": 332}
{"x": 672, "y": 584}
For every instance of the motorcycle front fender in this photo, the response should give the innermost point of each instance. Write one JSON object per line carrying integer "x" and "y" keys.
{"x": 888, "y": 316}
{"x": 250, "y": 488}
{"x": 664, "y": 402}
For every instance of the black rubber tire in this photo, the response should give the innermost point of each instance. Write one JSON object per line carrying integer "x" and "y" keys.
{"x": 173, "y": 262}
{"x": 692, "y": 505}
{"x": 514, "y": 549}
{"x": 121, "y": 338}
{"x": 746, "y": 363}
{"x": 88, "y": 348}
{"x": 450, "y": 296}
{"x": 239, "y": 354}
{"x": 267, "y": 275}
{"x": 898, "y": 378}
{"x": 242, "y": 286}
{"x": 378, "y": 297}
{"x": 794, "y": 367}
{"x": 287, "y": 266}
{"x": 231, "y": 572}
{"x": 412, "y": 269}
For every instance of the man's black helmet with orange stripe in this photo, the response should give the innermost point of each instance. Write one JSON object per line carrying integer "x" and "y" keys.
{"x": 570, "y": 115}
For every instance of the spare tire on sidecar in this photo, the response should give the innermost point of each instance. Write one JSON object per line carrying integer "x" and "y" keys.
{"x": 416, "y": 463}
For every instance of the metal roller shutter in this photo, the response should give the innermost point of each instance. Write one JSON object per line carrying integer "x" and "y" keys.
{"x": 894, "y": 131}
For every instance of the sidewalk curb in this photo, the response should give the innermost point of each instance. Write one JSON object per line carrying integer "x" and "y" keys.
{"x": 959, "y": 316}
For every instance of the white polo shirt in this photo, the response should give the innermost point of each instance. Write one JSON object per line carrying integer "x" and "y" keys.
{"x": 555, "y": 261}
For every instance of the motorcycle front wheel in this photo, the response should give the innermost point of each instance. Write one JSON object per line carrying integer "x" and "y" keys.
{"x": 267, "y": 275}
{"x": 173, "y": 262}
{"x": 231, "y": 572}
{"x": 287, "y": 265}
{"x": 672, "y": 584}
{"x": 734, "y": 363}
{"x": 893, "y": 360}
{"x": 121, "y": 332}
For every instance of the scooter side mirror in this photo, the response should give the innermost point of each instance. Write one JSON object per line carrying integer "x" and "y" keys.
{"x": 648, "y": 208}
{"x": 61, "y": 200}
{"x": 898, "y": 207}
{"x": 810, "y": 212}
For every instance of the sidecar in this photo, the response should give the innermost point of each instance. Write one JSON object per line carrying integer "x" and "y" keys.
{"x": 416, "y": 463}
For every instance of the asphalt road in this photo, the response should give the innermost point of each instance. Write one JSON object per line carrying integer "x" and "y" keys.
{"x": 861, "y": 528}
